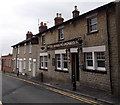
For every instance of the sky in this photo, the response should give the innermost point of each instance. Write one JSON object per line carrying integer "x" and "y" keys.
{"x": 19, "y": 16}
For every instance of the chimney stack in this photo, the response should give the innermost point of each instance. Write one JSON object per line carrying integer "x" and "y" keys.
{"x": 42, "y": 27}
{"x": 75, "y": 12}
{"x": 29, "y": 35}
{"x": 58, "y": 19}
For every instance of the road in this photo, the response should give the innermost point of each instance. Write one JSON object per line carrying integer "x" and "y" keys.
{"x": 15, "y": 90}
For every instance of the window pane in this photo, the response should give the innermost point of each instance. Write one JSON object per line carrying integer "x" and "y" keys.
{"x": 65, "y": 65}
{"x": 100, "y": 59}
{"x": 58, "y": 64}
{"x": 89, "y": 55}
{"x": 61, "y": 33}
{"x": 100, "y": 55}
{"x": 89, "y": 59}
{"x": 101, "y": 63}
{"x": 93, "y": 20}
{"x": 45, "y": 61}
{"x": 45, "y": 64}
{"x": 64, "y": 61}
{"x": 41, "y": 61}
{"x": 58, "y": 61}
{"x": 89, "y": 62}
{"x": 92, "y": 24}
{"x": 45, "y": 58}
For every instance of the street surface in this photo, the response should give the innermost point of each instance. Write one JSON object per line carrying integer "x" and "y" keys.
{"x": 16, "y": 90}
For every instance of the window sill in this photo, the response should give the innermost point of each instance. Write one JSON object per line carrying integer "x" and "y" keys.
{"x": 93, "y": 32}
{"x": 95, "y": 71}
{"x": 43, "y": 69}
{"x": 61, "y": 71}
{"x": 60, "y": 39}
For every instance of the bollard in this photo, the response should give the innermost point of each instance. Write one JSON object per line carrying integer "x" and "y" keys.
{"x": 74, "y": 83}
{"x": 18, "y": 73}
{"x": 41, "y": 74}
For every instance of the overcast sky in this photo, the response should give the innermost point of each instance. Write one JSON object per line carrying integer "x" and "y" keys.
{"x": 19, "y": 16}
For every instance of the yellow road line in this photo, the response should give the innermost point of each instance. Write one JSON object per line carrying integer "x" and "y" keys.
{"x": 58, "y": 91}
{"x": 73, "y": 96}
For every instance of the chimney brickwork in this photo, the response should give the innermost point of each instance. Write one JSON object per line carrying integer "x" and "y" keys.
{"x": 29, "y": 35}
{"x": 42, "y": 27}
{"x": 58, "y": 19}
{"x": 75, "y": 12}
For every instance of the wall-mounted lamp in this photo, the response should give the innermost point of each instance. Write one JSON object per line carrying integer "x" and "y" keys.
{"x": 80, "y": 41}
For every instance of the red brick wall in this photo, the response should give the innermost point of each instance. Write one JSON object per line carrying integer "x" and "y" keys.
{"x": 7, "y": 63}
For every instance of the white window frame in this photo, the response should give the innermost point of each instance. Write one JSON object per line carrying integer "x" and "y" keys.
{"x": 99, "y": 68}
{"x": 61, "y": 53}
{"x": 44, "y": 55}
{"x": 17, "y": 62}
{"x": 58, "y": 68}
{"x": 61, "y": 33}
{"x": 89, "y": 67}
{"x": 95, "y": 50}
{"x": 90, "y": 25}
{"x": 24, "y": 63}
{"x": 65, "y": 69}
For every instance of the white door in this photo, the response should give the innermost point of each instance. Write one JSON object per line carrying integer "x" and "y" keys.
{"x": 20, "y": 65}
{"x": 34, "y": 68}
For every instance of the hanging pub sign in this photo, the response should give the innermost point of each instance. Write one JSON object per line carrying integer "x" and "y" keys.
{"x": 66, "y": 44}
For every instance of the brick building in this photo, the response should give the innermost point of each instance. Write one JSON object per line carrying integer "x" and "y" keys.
{"x": 83, "y": 50}
{"x": 6, "y": 63}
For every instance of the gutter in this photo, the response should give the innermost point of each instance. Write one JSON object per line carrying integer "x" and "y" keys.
{"x": 109, "y": 45}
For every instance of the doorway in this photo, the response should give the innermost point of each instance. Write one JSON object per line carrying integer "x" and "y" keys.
{"x": 34, "y": 68}
{"x": 75, "y": 67}
{"x": 20, "y": 65}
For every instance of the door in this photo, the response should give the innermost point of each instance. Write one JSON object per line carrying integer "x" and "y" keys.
{"x": 75, "y": 67}
{"x": 34, "y": 68}
{"x": 20, "y": 65}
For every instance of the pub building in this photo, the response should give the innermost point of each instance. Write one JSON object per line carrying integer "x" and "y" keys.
{"x": 75, "y": 52}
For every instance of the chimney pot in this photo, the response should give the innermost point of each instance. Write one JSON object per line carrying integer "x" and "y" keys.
{"x": 60, "y": 15}
{"x": 45, "y": 24}
{"x": 41, "y": 23}
{"x": 76, "y": 8}
{"x": 57, "y": 14}
{"x": 75, "y": 12}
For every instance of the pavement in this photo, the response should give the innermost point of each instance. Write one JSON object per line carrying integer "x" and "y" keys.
{"x": 81, "y": 90}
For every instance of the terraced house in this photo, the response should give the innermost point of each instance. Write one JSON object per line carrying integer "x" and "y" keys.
{"x": 83, "y": 50}
{"x": 25, "y": 55}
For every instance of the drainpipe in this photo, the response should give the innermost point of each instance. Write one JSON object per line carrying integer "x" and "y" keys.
{"x": 109, "y": 45}
{"x": 16, "y": 59}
